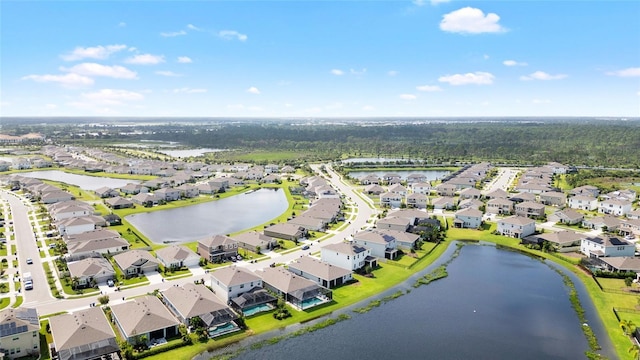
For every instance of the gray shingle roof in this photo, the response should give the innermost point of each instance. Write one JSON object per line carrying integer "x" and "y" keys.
{"x": 142, "y": 315}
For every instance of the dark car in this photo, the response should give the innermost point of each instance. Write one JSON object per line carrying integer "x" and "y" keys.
{"x": 306, "y": 247}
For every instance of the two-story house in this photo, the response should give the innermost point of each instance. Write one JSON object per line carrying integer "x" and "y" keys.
{"x": 217, "y": 248}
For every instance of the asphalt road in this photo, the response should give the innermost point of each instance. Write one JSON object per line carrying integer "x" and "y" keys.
{"x": 48, "y": 305}
{"x": 27, "y": 248}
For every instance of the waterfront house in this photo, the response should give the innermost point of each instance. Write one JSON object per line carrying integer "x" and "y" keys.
{"x": 82, "y": 335}
{"x": 286, "y": 231}
{"x": 516, "y": 226}
{"x": 348, "y": 255}
{"x": 167, "y": 194}
{"x": 566, "y": 216}
{"x": 416, "y": 178}
{"x": 177, "y": 256}
{"x": 301, "y": 293}
{"x": 90, "y": 270}
{"x": 144, "y": 317}
{"x": 614, "y": 207}
{"x": 188, "y": 190}
{"x": 382, "y": 245}
{"x": 132, "y": 189}
{"x": 413, "y": 215}
{"x": 190, "y": 300}
{"x": 106, "y": 192}
{"x": 19, "y": 332}
{"x": 255, "y": 241}
{"x": 583, "y": 202}
{"x": 322, "y": 273}
{"x": 135, "y": 262}
{"x": 468, "y": 219}
{"x": 118, "y": 203}
{"x": 370, "y": 179}
{"x": 230, "y": 282}
{"x": 145, "y": 199}
{"x": 217, "y": 248}
{"x": 622, "y": 264}
{"x": 606, "y": 246}
{"x": 404, "y": 240}
{"x": 564, "y": 240}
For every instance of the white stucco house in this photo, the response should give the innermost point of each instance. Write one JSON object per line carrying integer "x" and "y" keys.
{"x": 606, "y": 246}
{"x": 516, "y": 226}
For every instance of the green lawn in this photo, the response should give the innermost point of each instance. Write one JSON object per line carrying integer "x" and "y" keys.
{"x": 18, "y": 302}
{"x": 4, "y": 302}
{"x": 175, "y": 273}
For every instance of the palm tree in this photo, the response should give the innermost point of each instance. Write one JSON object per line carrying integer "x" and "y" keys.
{"x": 634, "y": 350}
{"x": 627, "y": 326}
{"x": 75, "y": 282}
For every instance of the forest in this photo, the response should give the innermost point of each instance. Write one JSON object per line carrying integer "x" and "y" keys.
{"x": 579, "y": 142}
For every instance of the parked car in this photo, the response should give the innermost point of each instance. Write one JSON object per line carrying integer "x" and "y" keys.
{"x": 29, "y": 261}
{"x": 110, "y": 283}
{"x": 306, "y": 247}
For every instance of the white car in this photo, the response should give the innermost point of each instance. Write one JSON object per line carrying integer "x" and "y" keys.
{"x": 29, "y": 261}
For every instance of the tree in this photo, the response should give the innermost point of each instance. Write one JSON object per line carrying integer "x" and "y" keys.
{"x": 634, "y": 350}
{"x": 75, "y": 282}
{"x": 628, "y": 281}
{"x": 103, "y": 300}
{"x": 627, "y": 326}
{"x": 258, "y": 248}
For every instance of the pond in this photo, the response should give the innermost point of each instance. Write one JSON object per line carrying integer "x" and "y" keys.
{"x": 84, "y": 182}
{"x": 187, "y": 152}
{"x": 430, "y": 174}
{"x": 223, "y": 216}
{"x": 495, "y": 304}
{"x": 377, "y": 160}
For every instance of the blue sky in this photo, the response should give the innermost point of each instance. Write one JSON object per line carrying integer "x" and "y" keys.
{"x": 320, "y": 58}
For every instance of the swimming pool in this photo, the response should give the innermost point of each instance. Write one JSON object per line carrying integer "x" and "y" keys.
{"x": 256, "y": 309}
{"x": 223, "y": 329}
{"x": 312, "y": 302}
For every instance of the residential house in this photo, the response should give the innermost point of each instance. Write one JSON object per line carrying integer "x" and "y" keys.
{"x": 286, "y": 231}
{"x": 563, "y": 241}
{"x": 404, "y": 240}
{"x": 416, "y": 178}
{"x": 78, "y": 225}
{"x": 52, "y": 197}
{"x": 144, "y": 318}
{"x": 391, "y": 176}
{"x": 553, "y": 198}
{"x": 394, "y": 223}
{"x": 421, "y": 188}
{"x": 255, "y": 241}
{"x": 167, "y": 194}
{"x": 230, "y": 282}
{"x": 70, "y": 209}
{"x": 445, "y": 189}
{"x": 370, "y": 179}
{"x": 106, "y": 192}
{"x": 348, "y": 255}
{"x": 220, "y": 183}
{"x": 271, "y": 168}
{"x": 417, "y": 200}
{"x": 522, "y": 197}
{"x": 208, "y": 188}
{"x": 145, "y": 199}
{"x": 470, "y": 193}
{"x": 390, "y": 199}
{"x": 471, "y": 204}
{"x": 398, "y": 189}
{"x": 413, "y": 215}
{"x": 468, "y": 219}
{"x": 135, "y": 262}
{"x": 217, "y": 248}
{"x": 443, "y": 202}
{"x": 112, "y": 219}
{"x": 622, "y": 264}
{"x": 614, "y": 207}
{"x": 118, "y": 203}
{"x": 373, "y": 189}
{"x": 133, "y": 189}
{"x": 322, "y": 273}
{"x": 630, "y": 227}
{"x": 190, "y": 300}
{"x": 287, "y": 169}
{"x": 91, "y": 270}
{"x": 82, "y": 335}
{"x": 586, "y": 190}
{"x": 188, "y": 190}
{"x": 497, "y": 194}
{"x": 606, "y": 246}
{"x": 604, "y": 223}
{"x": 530, "y": 209}
{"x": 625, "y": 194}
{"x": 516, "y": 226}
{"x": 634, "y": 214}
{"x": 94, "y": 243}
{"x": 382, "y": 245}
{"x": 308, "y": 223}
{"x": 301, "y": 293}
{"x": 566, "y": 216}
{"x": 19, "y": 332}
{"x": 177, "y": 256}
{"x": 583, "y": 202}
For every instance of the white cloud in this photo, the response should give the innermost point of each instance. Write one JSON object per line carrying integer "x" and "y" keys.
{"x": 122, "y": 24}
{"x": 629, "y": 72}
{"x": 253, "y": 90}
{"x": 168, "y": 73}
{"x": 193, "y": 27}
{"x": 485, "y": 56}
{"x": 541, "y": 101}
{"x": 541, "y": 75}
{"x": 112, "y": 96}
{"x": 97, "y": 52}
{"x": 288, "y": 105}
{"x": 145, "y": 59}
{"x": 67, "y": 80}
{"x": 51, "y": 106}
{"x": 173, "y": 34}
{"x": 93, "y": 69}
{"x": 231, "y": 35}
{"x": 418, "y": 2}
{"x": 358, "y": 72}
{"x": 514, "y": 63}
{"x": 235, "y": 106}
{"x": 436, "y": 2}
{"x": 392, "y": 73}
{"x": 337, "y": 72}
{"x": 429, "y": 88}
{"x": 477, "y": 78}
{"x": 470, "y": 20}
{"x": 407, "y": 96}
{"x": 186, "y": 90}
{"x": 368, "y": 108}
{"x": 184, "y": 60}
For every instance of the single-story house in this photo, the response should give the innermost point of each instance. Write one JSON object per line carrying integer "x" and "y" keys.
{"x": 134, "y": 262}
{"x": 309, "y": 223}
{"x": 118, "y": 203}
{"x": 132, "y": 189}
{"x": 322, "y": 273}
{"x": 301, "y": 293}
{"x": 145, "y": 199}
{"x": 566, "y": 216}
{"x": 106, "y": 192}
{"x": 177, "y": 256}
{"x": 607, "y": 222}
{"x": 286, "y": 231}
{"x": 443, "y": 202}
{"x": 470, "y": 193}
{"x": 55, "y": 196}
{"x": 82, "y": 335}
{"x": 373, "y": 189}
{"x": 255, "y": 241}
{"x": 89, "y": 270}
{"x": 144, "y": 317}
{"x": 471, "y": 204}
{"x": 564, "y": 240}
{"x": 622, "y": 263}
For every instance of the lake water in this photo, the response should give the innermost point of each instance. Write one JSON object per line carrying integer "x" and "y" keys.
{"x": 84, "y": 182}
{"x": 495, "y": 304}
{"x": 223, "y": 216}
{"x": 376, "y": 160}
{"x": 188, "y": 152}
{"x": 430, "y": 174}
